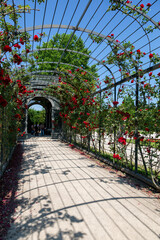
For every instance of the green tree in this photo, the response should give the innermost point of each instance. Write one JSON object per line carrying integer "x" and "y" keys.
{"x": 36, "y": 116}
{"x": 60, "y": 41}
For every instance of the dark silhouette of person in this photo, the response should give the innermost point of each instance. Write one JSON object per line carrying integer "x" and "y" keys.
{"x": 36, "y": 130}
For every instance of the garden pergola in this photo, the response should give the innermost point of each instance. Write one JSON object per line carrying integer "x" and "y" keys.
{"x": 122, "y": 40}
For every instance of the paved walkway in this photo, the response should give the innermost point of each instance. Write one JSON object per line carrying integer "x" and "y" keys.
{"x": 65, "y": 195}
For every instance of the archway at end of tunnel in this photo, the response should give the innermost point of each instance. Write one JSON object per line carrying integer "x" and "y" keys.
{"x": 42, "y": 117}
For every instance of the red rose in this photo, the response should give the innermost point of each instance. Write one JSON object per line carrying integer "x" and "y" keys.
{"x": 150, "y": 55}
{"x": 147, "y": 129}
{"x": 150, "y": 74}
{"x": 35, "y": 38}
{"x": 146, "y": 85}
{"x": 139, "y": 51}
{"x": 116, "y": 156}
{"x": 27, "y": 50}
{"x": 148, "y": 4}
{"x": 7, "y": 48}
{"x": 18, "y": 116}
{"x": 122, "y": 140}
{"x": 148, "y": 150}
{"x": 3, "y": 102}
{"x": 17, "y": 59}
{"x": 132, "y": 81}
{"x": 84, "y": 136}
{"x": 142, "y": 5}
{"x": 21, "y": 41}
{"x": 17, "y": 45}
{"x": 115, "y": 103}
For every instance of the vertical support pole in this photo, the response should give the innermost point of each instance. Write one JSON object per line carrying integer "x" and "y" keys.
{"x": 62, "y": 131}
{"x": 26, "y": 122}
{"x": 52, "y": 132}
{"x": 75, "y": 138}
{"x": 100, "y": 123}
{"x": 136, "y": 123}
{"x": 89, "y": 142}
{"x": 70, "y": 138}
{"x": 46, "y": 120}
{"x": 115, "y": 98}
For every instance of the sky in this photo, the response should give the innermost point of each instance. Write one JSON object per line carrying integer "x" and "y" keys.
{"x": 37, "y": 107}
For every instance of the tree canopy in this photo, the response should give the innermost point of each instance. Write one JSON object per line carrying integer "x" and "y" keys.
{"x": 36, "y": 117}
{"x": 60, "y": 41}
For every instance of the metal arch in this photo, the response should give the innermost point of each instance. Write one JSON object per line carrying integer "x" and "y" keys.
{"x": 68, "y": 65}
{"x": 147, "y": 70}
{"x": 79, "y": 21}
{"x": 77, "y": 29}
{"x": 68, "y": 50}
{"x": 82, "y": 30}
{"x": 139, "y": 11}
{"x": 140, "y": 26}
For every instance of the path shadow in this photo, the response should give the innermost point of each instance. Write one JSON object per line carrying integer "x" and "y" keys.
{"x": 9, "y": 186}
{"x": 45, "y": 219}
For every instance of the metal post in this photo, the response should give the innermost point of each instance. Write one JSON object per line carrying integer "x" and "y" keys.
{"x": 52, "y": 133}
{"x": 136, "y": 124}
{"x": 26, "y": 122}
{"x": 100, "y": 123}
{"x": 70, "y": 139}
{"x": 115, "y": 98}
{"x": 88, "y": 142}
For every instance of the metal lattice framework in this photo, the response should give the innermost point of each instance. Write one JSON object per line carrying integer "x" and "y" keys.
{"x": 88, "y": 18}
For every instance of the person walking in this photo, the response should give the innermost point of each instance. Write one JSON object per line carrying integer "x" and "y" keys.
{"x": 32, "y": 130}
